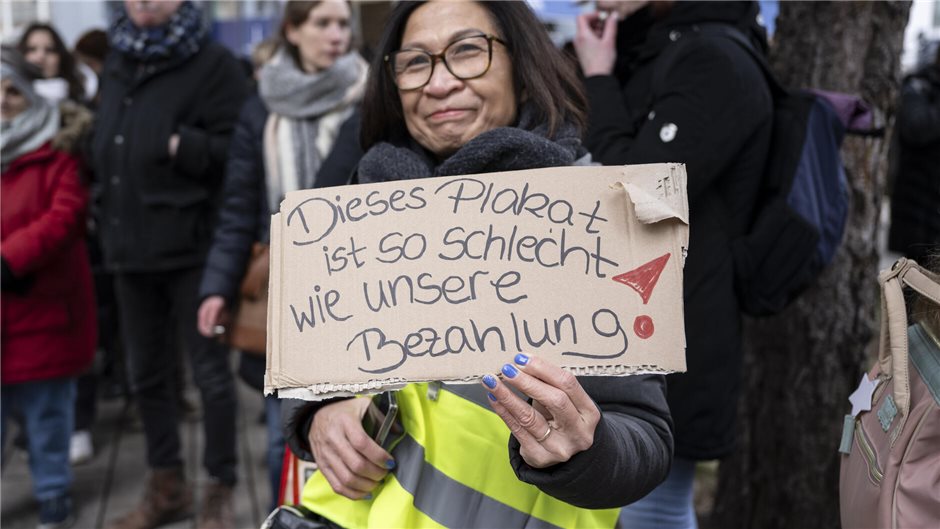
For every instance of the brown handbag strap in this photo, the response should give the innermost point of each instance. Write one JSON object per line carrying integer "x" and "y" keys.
{"x": 892, "y": 351}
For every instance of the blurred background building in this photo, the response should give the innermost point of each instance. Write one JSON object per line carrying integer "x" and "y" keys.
{"x": 240, "y": 24}
{"x": 922, "y": 35}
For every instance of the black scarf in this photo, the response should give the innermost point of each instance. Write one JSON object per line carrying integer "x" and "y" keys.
{"x": 524, "y": 146}
{"x": 177, "y": 40}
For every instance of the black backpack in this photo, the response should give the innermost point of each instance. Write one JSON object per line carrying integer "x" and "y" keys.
{"x": 802, "y": 204}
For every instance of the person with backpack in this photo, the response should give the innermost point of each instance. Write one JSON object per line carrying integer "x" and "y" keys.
{"x": 660, "y": 91}
{"x": 915, "y": 202}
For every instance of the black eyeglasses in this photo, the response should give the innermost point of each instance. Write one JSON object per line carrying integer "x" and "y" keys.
{"x": 465, "y": 58}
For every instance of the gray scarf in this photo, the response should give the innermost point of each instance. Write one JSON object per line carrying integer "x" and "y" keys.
{"x": 32, "y": 128}
{"x": 307, "y": 111}
{"x": 524, "y": 146}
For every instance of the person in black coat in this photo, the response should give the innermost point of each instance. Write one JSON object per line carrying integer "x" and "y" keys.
{"x": 307, "y": 96}
{"x": 169, "y": 101}
{"x": 915, "y": 203}
{"x": 660, "y": 92}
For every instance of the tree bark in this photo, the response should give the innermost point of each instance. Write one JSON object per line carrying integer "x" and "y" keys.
{"x": 800, "y": 366}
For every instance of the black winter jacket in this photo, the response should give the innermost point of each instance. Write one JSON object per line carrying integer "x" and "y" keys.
{"x": 713, "y": 112}
{"x": 157, "y": 211}
{"x": 915, "y": 202}
{"x": 244, "y": 214}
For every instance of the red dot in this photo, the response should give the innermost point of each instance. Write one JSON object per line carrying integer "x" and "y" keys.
{"x": 643, "y": 326}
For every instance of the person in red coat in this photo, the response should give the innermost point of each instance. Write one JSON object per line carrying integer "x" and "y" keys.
{"x": 47, "y": 309}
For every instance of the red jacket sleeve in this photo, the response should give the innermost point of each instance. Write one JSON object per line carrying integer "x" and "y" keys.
{"x": 48, "y": 234}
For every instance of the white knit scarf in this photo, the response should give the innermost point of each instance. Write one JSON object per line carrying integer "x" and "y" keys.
{"x": 306, "y": 112}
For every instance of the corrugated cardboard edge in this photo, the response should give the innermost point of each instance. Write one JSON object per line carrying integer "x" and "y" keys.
{"x": 274, "y": 299}
{"x": 662, "y": 199}
{"x": 329, "y": 391}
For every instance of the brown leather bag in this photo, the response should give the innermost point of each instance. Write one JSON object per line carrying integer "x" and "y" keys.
{"x": 248, "y": 330}
{"x": 890, "y": 473}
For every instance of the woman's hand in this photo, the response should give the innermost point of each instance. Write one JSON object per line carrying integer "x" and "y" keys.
{"x": 597, "y": 52}
{"x": 350, "y": 460}
{"x": 210, "y": 315}
{"x": 561, "y": 420}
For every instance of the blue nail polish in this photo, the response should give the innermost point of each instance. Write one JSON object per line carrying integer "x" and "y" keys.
{"x": 522, "y": 359}
{"x": 510, "y": 371}
{"x": 490, "y": 381}
{"x": 367, "y": 496}
{"x": 390, "y": 464}
{"x": 491, "y": 397}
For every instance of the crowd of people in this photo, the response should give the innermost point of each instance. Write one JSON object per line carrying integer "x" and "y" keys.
{"x": 141, "y": 170}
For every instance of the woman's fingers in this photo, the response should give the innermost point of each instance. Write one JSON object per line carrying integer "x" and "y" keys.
{"x": 585, "y": 25}
{"x": 557, "y": 390}
{"x": 561, "y": 420}
{"x": 339, "y": 485}
{"x": 363, "y": 456}
{"x": 351, "y": 461}
{"x": 610, "y": 29}
{"x": 532, "y": 451}
{"x": 543, "y": 410}
{"x": 523, "y": 420}
{"x": 595, "y": 44}
{"x": 208, "y": 316}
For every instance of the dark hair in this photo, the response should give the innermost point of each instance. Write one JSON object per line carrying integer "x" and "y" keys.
{"x": 295, "y": 14}
{"x": 67, "y": 69}
{"x": 94, "y": 44}
{"x": 540, "y": 72}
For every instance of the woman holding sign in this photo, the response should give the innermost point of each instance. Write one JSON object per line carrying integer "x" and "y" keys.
{"x": 462, "y": 88}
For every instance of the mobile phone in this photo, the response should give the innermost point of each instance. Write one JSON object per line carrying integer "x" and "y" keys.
{"x": 379, "y": 419}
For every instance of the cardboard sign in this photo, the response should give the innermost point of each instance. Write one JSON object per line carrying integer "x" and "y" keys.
{"x": 375, "y": 286}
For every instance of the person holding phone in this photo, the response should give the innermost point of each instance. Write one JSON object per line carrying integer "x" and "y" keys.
{"x": 661, "y": 91}
{"x": 462, "y": 88}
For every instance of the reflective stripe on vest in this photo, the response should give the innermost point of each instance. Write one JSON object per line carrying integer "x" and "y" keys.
{"x": 452, "y": 471}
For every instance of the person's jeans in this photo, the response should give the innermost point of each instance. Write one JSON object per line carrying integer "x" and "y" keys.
{"x": 46, "y": 409}
{"x": 668, "y": 506}
{"x": 272, "y": 414}
{"x": 158, "y": 311}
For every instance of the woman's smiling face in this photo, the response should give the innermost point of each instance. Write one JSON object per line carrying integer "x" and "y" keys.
{"x": 447, "y": 112}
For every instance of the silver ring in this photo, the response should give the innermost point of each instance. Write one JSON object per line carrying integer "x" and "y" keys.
{"x": 547, "y": 433}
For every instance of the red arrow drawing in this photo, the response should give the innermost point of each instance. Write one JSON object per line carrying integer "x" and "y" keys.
{"x": 644, "y": 278}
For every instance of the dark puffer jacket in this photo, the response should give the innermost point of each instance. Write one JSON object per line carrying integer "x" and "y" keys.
{"x": 157, "y": 211}
{"x": 713, "y": 112}
{"x": 915, "y": 204}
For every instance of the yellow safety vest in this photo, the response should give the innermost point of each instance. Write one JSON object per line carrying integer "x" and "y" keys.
{"x": 452, "y": 471}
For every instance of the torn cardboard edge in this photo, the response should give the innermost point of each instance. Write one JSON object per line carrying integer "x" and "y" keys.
{"x": 671, "y": 202}
{"x": 325, "y": 391}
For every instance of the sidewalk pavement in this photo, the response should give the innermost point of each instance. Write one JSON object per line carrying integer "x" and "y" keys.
{"x": 113, "y": 481}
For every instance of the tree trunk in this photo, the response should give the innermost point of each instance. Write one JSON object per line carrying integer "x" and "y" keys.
{"x": 801, "y": 365}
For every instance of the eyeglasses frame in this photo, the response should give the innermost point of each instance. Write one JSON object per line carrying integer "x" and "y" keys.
{"x": 435, "y": 57}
